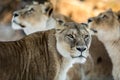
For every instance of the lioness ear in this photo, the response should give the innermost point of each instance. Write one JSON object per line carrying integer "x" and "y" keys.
{"x": 85, "y": 24}
{"x": 48, "y": 8}
{"x": 118, "y": 14}
{"x": 109, "y": 10}
{"x": 60, "y": 19}
{"x": 61, "y": 16}
{"x": 91, "y": 31}
{"x": 59, "y": 25}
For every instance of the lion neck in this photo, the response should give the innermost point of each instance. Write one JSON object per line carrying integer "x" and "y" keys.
{"x": 111, "y": 41}
{"x": 45, "y": 24}
{"x": 113, "y": 48}
{"x": 64, "y": 63}
{"x": 51, "y": 23}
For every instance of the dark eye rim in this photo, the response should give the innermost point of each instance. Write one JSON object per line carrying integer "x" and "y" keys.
{"x": 86, "y": 36}
{"x": 104, "y": 16}
{"x": 70, "y": 36}
{"x": 31, "y": 9}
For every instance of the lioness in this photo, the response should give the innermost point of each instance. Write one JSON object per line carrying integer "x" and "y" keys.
{"x": 46, "y": 55}
{"x": 98, "y": 53}
{"x": 34, "y": 17}
{"x": 106, "y": 27}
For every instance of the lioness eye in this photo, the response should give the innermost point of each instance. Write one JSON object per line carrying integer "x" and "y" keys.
{"x": 104, "y": 16}
{"x": 31, "y": 10}
{"x": 71, "y": 37}
{"x": 86, "y": 37}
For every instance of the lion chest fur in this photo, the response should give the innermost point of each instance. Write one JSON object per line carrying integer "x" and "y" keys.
{"x": 33, "y": 58}
{"x": 113, "y": 48}
{"x": 43, "y": 25}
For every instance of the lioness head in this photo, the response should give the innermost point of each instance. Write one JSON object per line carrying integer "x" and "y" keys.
{"x": 73, "y": 40}
{"x": 33, "y": 15}
{"x": 106, "y": 25}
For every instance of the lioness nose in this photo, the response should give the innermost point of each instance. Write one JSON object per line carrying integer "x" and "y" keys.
{"x": 15, "y": 14}
{"x": 81, "y": 49}
{"x": 89, "y": 20}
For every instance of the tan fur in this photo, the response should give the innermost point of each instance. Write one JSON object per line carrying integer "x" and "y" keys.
{"x": 100, "y": 58}
{"x": 79, "y": 12}
{"x": 37, "y": 20}
{"x": 33, "y": 18}
{"x": 39, "y": 56}
{"x": 94, "y": 70}
{"x": 74, "y": 73}
{"x": 107, "y": 25}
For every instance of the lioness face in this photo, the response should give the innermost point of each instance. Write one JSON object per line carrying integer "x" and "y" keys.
{"x": 105, "y": 25}
{"x": 32, "y": 15}
{"x": 73, "y": 41}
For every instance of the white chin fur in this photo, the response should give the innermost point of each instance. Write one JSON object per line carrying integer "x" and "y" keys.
{"x": 16, "y": 26}
{"x": 80, "y": 60}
